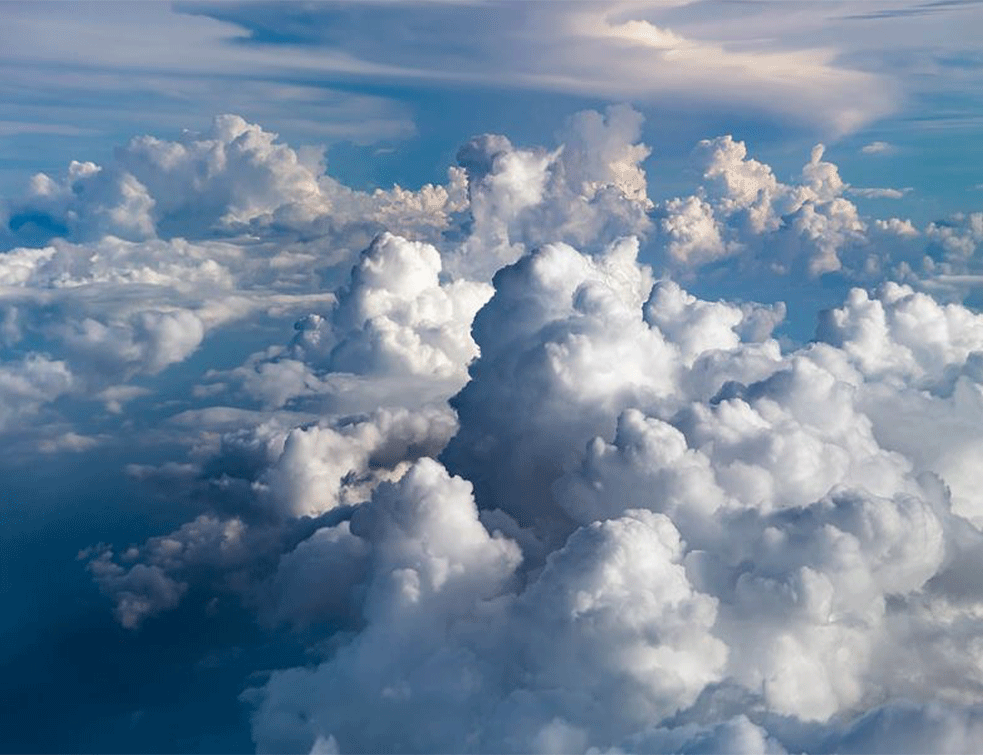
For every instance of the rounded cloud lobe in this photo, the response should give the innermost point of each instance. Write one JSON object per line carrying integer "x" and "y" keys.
{"x": 521, "y": 490}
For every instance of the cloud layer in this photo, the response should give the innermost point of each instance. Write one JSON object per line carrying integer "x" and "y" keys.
{"x": 518, "y": 488}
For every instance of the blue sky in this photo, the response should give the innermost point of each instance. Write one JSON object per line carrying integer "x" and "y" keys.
{"x": 512, "y": 377}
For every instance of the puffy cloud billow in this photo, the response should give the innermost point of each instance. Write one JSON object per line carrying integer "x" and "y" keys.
{"x": 681, "y": 537}
{"x": 515, "y": 486}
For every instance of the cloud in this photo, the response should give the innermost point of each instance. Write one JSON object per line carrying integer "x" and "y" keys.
{"x": 689, "y": 65}
{"x": 589, "y": 191}
{"x": 109, "y": 311}
{"x": 877, "y": 148}
{"x": 189, "y": 68}
{"x": 712, "y": 528}
{"x": 11, "y": 128}
{"x": 176, "y": 240}
{"x": 266, "y": 223}
{"x": 232, "y": 178}
{"x": 432, "y": 565}
{"x": 275, "y": 483}
{"x": 741, "y": 218}
{"x": 873, "y": 193}
{"x": 99, "y": 267}
{"x": 622, "y": 52}
{"x": 917, "y": 9}
{"x": 511, "y": 484}
{"x": 949, "y": 266}
{"x": 390, "y": 317}
{"x": 743, "y": 210}
{"x": 139, "y": 592}
{"x": 70, "y": 441}
{"x": 29, "y": 383}
{"x": 394, "y": 321}
{"x": 958, "y": 237}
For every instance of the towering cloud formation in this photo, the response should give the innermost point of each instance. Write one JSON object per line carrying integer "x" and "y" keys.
{"x": 709, "y": 527}
{"x": 588, "y": 192}
{"x": 522, "y": 491}
{"x": 396, "y": 328}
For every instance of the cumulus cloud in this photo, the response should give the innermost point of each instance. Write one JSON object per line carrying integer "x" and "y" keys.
{"x": 947, "y": 261}
{"x": 518, "y": 487}
{"x": 713, "y": 525}
{"x": 272, "y": 484}
{"x": 233, "y": 178}
{"x": 29, "y": 383}
{"x": 431, "y": 571}
{"x": 569, "y": 317}
{"x": 121, "y": 271}
{"x": 743, "y": 217}
{"x": 122, "y": 230}
{"x": 110, "y": 311}
{"x": 397, "y": 328}
{"x": 588, "y": 192}
{"x": 960, "y": 237}
{"x": 743, "y": 209}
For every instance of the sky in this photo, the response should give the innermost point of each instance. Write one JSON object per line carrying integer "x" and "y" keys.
{"x": 556, "y": 377}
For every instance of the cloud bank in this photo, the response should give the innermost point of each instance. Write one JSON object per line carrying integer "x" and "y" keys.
{"x": 520, "y": 489}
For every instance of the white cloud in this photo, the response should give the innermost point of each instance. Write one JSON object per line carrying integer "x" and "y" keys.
{"x": 151, "y": 302}
{"x": 395, "y": 319}
{"x": 320, "y": 468}
{"x": 694, "y": 235}
{"x": 960, "y": 237}
{"x": 396, "y": 316}
{"x": 877, "y": 148}
{"x": 70, "y": 441}
{"x": 573, "y": 507}
{"x": 744, "y": 216}
{"x": 28, "y": 384}
{"x": 233, "y": 178}
{"x": 742, "y": 209}
{"x": 115, "y": 302}
{"x": 753, "y": 534}
{"x": 875, "y": 193}
{"x": 432, "y": 566}
{"x": 588, "y": 192}
{"x": 897, "y": 227}
{"x": 615, "y": 51}
{"x": 127, "y": 295}
{"x": 621, "y": 46}
{"x": 280, "y": 481}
